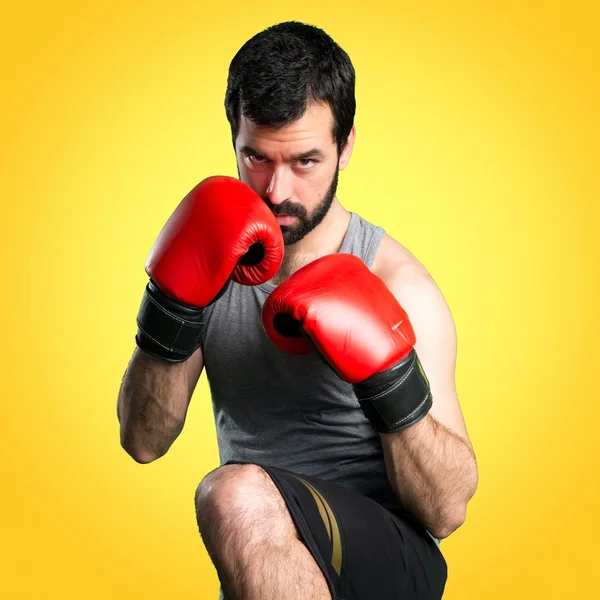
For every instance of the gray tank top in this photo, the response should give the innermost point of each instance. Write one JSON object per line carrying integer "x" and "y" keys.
{"x": 286, "y": 411}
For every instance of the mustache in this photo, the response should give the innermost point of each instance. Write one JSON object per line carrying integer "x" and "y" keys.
{"x": 286, "y": 208}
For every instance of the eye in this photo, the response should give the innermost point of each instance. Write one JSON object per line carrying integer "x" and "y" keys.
{"x": 255, "y": 159}
{"x": 306, "y": 163}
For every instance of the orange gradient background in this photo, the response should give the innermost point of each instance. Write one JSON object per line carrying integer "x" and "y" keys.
{"x": 478, "y": 135}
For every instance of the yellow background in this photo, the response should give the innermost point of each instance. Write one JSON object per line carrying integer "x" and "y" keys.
{"x": 478, "y": 148}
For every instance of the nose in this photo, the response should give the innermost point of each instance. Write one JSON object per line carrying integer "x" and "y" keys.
{"x": 280, "y": 188}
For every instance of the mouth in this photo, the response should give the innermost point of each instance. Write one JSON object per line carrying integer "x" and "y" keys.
{"x": 285, "y": 219}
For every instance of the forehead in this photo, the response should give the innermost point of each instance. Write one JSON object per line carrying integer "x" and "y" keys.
{"x": 314, "y": 129}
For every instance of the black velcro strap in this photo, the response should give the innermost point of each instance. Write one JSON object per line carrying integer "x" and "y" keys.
{"x": 167, "y": 329}
{"x": 396, "y": 398}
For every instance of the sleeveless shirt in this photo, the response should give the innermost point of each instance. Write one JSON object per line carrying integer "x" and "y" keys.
{"x": 292, "y": 412}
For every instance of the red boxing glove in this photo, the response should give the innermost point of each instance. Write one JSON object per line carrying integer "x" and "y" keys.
{"x": 221, "y": 231}
{"x": 337, "y": 306}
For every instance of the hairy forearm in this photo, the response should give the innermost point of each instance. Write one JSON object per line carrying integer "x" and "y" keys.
{"x": 151, "y": 406}
{"x": 433, "y": 472}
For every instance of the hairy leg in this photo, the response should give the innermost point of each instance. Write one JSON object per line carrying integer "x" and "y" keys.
{"x": 252, "y": 540}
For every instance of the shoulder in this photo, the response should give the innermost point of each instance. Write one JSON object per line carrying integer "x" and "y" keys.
{"x": 400, "y": 269}
{"x": 416, "y": 291}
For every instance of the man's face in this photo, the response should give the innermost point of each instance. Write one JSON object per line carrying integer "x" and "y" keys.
{"x": 294, "y": 169}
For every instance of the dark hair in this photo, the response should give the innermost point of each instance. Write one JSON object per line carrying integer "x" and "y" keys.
{"x": 277, "y": 73}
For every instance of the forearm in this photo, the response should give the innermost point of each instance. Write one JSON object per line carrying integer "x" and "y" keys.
{"x": 151, "y": 406}
{"x": 433, "y": 472}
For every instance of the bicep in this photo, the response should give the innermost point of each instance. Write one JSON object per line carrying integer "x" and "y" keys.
{"x": 436, "y": 344}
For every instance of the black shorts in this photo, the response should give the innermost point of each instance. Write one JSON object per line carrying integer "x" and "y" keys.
{"x": 365, "y": 551}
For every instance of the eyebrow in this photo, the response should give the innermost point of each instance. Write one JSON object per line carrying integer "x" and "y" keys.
{"x": 312, "y": 153}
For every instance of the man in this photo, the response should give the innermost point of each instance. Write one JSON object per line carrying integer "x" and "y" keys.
{"x": 344, "y": 453}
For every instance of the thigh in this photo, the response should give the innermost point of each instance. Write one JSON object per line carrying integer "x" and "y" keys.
{"x": 364, "y": 551}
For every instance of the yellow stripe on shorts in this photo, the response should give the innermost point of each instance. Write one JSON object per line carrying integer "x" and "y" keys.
{"x": 330, "y": 525}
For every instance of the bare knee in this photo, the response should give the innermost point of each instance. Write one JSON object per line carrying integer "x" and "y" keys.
{"x": 235, "y": 495}
{"x": 228, "y": 487}
{"x": 251, "y": 538}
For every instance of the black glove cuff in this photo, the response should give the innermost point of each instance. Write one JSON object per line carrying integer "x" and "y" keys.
{"x": 397, "y": 397}
{"x": 167, "y": 329}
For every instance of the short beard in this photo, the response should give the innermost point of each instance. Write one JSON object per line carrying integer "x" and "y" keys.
{"x": 292, "y": 234}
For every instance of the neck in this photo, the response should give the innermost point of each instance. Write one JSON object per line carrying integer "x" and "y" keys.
{"x": 325, "y": 238}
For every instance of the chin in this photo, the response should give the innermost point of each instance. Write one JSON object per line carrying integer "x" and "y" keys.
{"x": 290, "y": 237}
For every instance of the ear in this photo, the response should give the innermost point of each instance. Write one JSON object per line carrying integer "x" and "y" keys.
{"x": 347, "y": 151}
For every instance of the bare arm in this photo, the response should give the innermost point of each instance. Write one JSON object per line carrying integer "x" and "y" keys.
{"x": 153, "y": 401}
{"x": 433, "y": 471}
{"x": 431, "y": 465}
